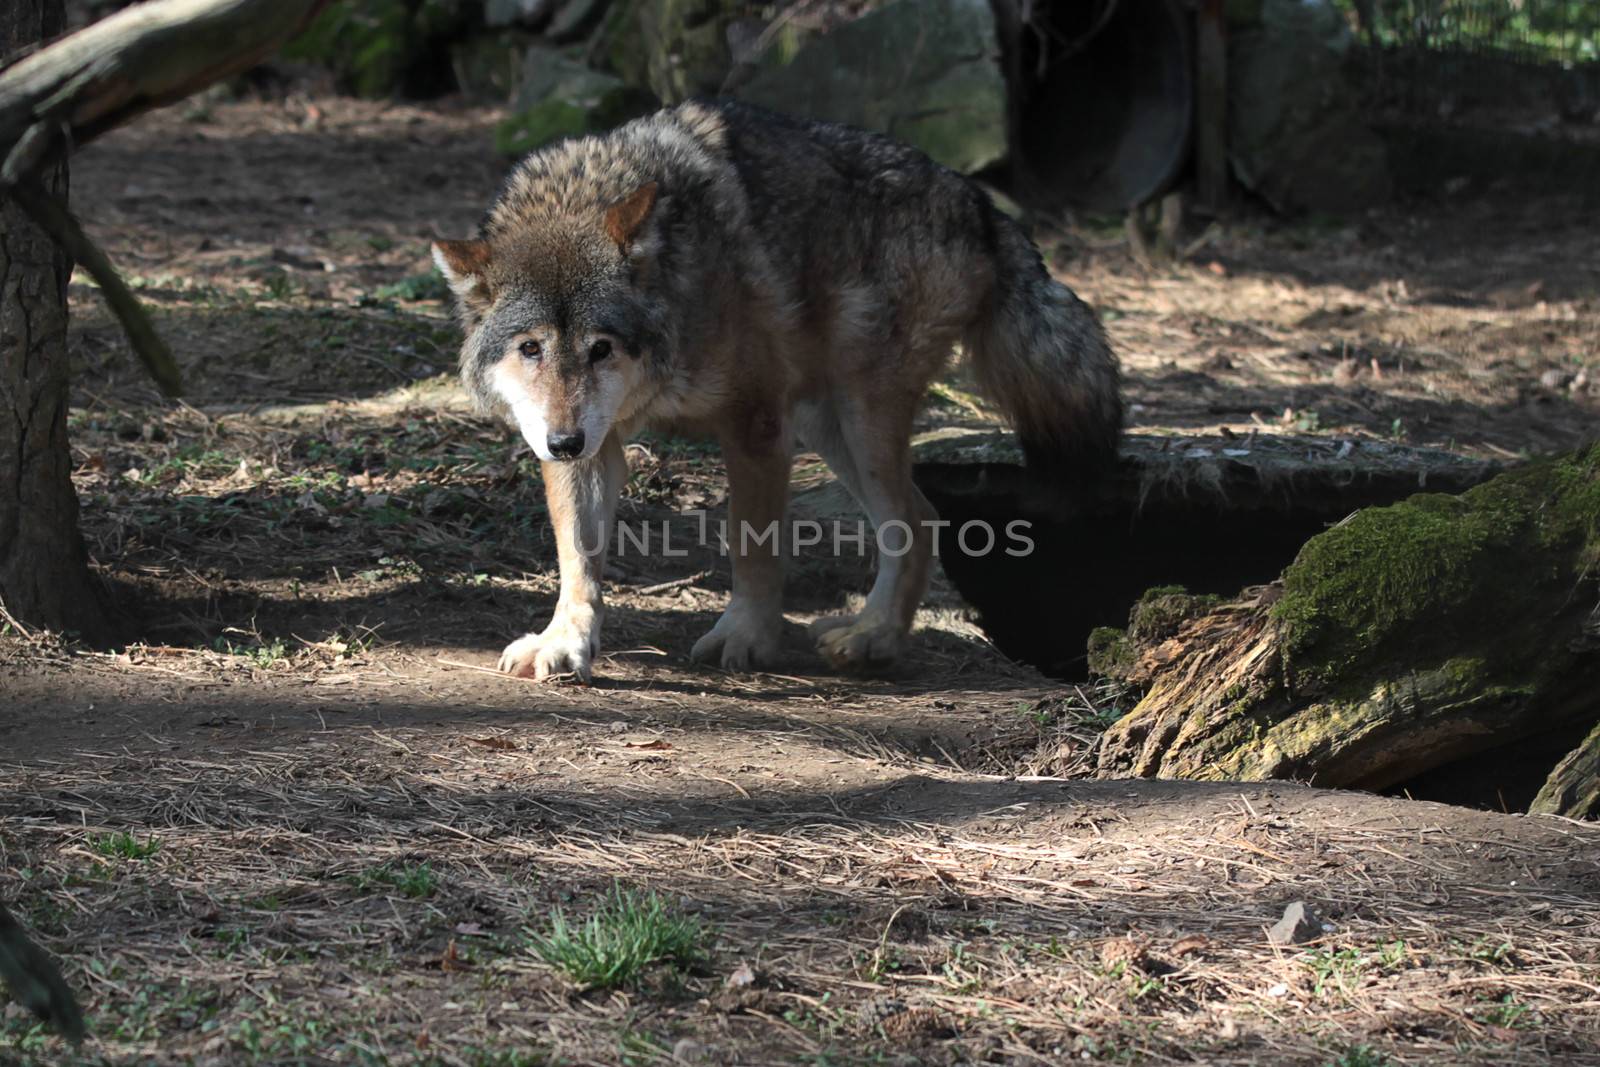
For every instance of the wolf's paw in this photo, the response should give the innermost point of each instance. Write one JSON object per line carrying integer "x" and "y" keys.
{"x": 565, "y": 647}
{"x": 829, "y": 623}
{"x": 741, "y": 640}
{"x": 861, "y": 644}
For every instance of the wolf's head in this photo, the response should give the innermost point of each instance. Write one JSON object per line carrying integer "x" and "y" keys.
{"x": 559, "y": 331}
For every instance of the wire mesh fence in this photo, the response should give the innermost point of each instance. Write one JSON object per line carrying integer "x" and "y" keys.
{"x": 1528, "y": 31}
{"x": 1500, "y": 89}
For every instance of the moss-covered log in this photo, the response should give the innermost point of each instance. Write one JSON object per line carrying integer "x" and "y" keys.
{"x": 1403, "y": 639}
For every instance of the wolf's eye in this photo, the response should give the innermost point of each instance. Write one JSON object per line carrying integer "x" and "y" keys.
{"x": 599, "y": 350}
{"x": 530, "y": 349}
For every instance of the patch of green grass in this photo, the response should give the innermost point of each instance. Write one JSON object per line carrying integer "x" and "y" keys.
{"x": 1342, "y": 969}
{"x": 1360, "y": 1056}
{"x": 1493, "y": 952}
{"x": 637, "y": 1047}
{"x": 24, "y": 1036}
{"x": 627, "y": 933}
{"x": 124, "y": 846}
{"x": 1508, "y": 1011}
{"x": 498, "y": 1057}
{"x": 282, "y": 1041}
{"x": 429, "y": 286}
{"x": 259, "y": 652}
{"x": 414, "y": 880}
{"x": 280, "y": 285}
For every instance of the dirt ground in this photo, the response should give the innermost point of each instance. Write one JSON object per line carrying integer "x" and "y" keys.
{"x": 300, "y": 820}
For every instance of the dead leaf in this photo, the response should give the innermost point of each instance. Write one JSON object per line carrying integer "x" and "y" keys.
{"x": 742, "y": 977}
{"x": 1193, "y": 943}
{"x": 423, "y": 1041}
{"x": 452, "y": 960}
{"x": 651, "y": 746}
{"x": 499, "y": 744}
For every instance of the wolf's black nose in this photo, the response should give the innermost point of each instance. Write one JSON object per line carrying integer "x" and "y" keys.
{"x": 565, "y": 445}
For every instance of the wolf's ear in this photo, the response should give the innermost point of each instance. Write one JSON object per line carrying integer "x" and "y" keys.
{"x": 624, "y": 218}
{"x": 465, "y": 266}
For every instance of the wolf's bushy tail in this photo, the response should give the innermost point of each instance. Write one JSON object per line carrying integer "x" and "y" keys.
{"x": 1041, "y": 355}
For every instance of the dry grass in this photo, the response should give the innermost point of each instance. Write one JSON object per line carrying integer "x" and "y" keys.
{"x": 944, "y": 916}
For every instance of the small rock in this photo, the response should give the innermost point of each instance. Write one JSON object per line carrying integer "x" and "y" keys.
{"x": 1298, "y": 925}
{"x": 688, "y": 1050}
{"x": 910, "y": 924}
{"x": 1554, "y": 378}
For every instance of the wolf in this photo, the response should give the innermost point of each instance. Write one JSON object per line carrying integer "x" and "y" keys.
{"x": 763, "y": 280}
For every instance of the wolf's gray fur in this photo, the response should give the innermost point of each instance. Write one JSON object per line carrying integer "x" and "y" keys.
{"x": 763, "y": 278}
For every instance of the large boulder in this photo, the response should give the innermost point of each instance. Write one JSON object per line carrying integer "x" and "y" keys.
{"x": 673, "y": 48}
{"x": 559, "y": 96}
{"x": 926, "y": 72}
{"x": 379, "y": 47}
{"x": 528, "y": 14}
{"x": 1296, "y": 135}
{"x": 488, "y": 66}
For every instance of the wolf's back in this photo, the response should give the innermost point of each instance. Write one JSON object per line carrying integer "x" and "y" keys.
{"x": 1041, "y": 354}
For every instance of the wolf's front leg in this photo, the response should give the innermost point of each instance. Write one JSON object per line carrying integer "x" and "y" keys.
{"x": 750, "y": 630}
{"x": 582, "y": 499}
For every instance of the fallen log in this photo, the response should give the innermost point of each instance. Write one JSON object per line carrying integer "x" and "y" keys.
{"x": 1403, "y": 639}
{"x": 139, "y": 58}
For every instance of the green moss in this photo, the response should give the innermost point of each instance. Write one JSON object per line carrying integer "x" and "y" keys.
{"x": 374, "y": 47}
{"x": 553, "y": 118}
{"x": 546, "y": 121}
{"x": 1425, "y": 574}
{"x": 1161, "y": 610}
{"x": 1110, "y": 653}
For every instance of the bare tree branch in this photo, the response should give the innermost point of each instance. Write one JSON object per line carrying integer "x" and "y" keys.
{"x": 142, "y": 57}
{"x": 69, "y": 92}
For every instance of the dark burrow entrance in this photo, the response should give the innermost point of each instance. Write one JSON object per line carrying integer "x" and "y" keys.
{"x": 1211, "y": 515}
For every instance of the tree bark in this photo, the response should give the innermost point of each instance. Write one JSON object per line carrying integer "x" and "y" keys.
{"x": 1573, "y": 788}
{"x": 44, "y": 573}
{"x": 1403, "y": 639}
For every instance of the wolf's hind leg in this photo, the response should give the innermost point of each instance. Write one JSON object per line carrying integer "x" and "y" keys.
{"x": 817, "y": 425}
{"x": 877, "y": 436}
{"x": 749, "y": 632}
{"x": 582, "y": 499}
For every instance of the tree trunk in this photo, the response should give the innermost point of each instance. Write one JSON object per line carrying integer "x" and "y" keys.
{"x": 1402, "y": 640}
{"x": 44, "y": 573}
